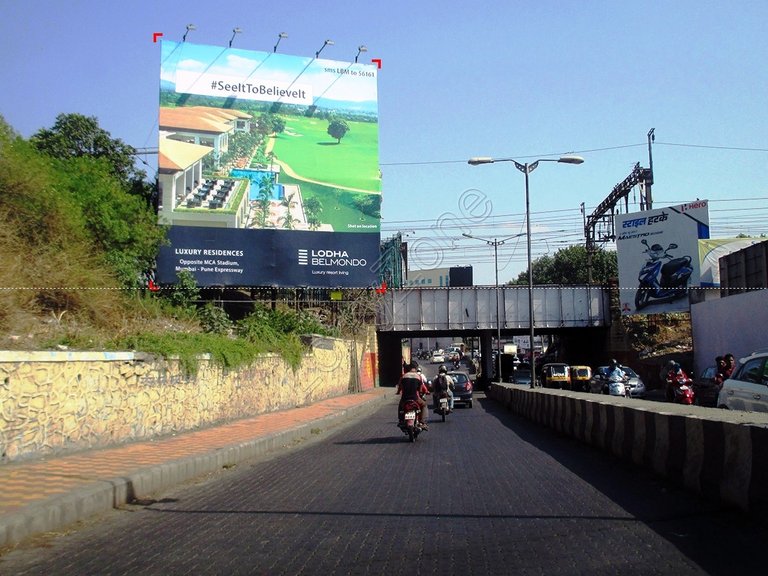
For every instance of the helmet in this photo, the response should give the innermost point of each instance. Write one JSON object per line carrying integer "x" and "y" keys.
{"x": 443, "y": 370}
{"x": 614, "y": 363}
{"x": 418, "y": 370}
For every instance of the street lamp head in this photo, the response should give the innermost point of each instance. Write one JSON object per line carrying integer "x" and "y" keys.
{"x": 477, "y": 160}
{"x": 326, "y": 43}
{"x": 570, "y": 159}
{"x": 235, "y": 32}
{"x": 189, "y": 27}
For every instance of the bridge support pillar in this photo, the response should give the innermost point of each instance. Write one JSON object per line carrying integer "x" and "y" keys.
{"x": 390, "y": 359}
{"x": 486, "y": 354}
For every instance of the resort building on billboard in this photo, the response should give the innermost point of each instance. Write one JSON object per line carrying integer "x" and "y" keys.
{"x": 205, "y": 126}
{"x": 189, "y": 199}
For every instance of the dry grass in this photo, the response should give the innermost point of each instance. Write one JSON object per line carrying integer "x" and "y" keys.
{"x": 68, "y": 297}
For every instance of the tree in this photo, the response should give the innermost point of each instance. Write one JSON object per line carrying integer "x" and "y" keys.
{"x": 77, "y": 136}
{"x": 120, "y": 224}
{"x": 338, "y": 129}
{"x": 569, "y": 266}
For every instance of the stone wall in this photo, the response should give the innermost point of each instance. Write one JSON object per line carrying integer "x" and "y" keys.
{"x": 51, "y": 402}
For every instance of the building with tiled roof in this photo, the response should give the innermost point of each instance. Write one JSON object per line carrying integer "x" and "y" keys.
{"x": 204, "y": 126}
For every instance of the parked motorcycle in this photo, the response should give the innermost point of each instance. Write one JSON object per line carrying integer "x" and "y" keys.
{"x": 659, "y": 281}
{"x": 408, "y": 420}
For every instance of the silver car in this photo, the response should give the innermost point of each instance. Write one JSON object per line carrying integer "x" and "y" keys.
{"x": 747, "y": 388}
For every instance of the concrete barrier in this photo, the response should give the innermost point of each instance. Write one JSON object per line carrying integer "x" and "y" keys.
{"x": 719, "y": 454}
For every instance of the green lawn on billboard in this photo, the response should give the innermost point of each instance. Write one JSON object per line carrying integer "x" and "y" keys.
{"x": 339, "y": 209}
{"x": 310, "y": 152}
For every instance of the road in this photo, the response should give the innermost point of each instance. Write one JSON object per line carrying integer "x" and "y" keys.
{"x": 483, "y": 493}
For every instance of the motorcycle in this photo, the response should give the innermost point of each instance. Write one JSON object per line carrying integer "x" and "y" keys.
{"x": 659, "y": 281}
{"x": 442, "y": 405}
{"x": 680, "y": 389}
{"x": 408, "y": 420}
{"x": 618, "y": 386}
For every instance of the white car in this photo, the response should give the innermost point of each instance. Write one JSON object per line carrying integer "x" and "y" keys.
{"x": 437, "y": 358}
{"x": 747, "y": 388}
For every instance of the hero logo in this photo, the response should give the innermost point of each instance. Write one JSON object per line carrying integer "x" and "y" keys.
{"x": 328, "y": 258}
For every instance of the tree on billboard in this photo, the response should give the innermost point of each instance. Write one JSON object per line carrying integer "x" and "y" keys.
{"x": 338, "y": 129}
{"x": 269, "y": 124}
{"x": 368, "y": 204}
{"x": 313, "y": 208}
{"x": 266, "y": 186}
{"x": 288, "y": 219}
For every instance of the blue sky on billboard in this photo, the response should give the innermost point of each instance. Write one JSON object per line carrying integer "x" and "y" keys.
{"x": 266, "y": 66}
{"x": 527, "y": 80}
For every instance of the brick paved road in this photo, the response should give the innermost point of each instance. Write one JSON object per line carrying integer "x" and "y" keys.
{"x": 483, "y": 493}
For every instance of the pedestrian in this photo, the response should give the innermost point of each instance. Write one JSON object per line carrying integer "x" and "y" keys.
{"x": 730, "y": 365}
{"x": 719, "y": 372}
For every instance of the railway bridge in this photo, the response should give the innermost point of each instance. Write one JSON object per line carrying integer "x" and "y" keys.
{"x": 578, "y": 314}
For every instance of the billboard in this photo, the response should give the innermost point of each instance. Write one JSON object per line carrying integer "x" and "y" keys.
{"x": 455, "y": 276}
{"x": 268, "y": 168}
{"x": 658, "y": 257}
{"x": 710, "y": 252}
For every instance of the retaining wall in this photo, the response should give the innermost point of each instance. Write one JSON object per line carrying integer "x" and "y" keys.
{"x": 715, "y": 453}
{"x": 54, "y": 402}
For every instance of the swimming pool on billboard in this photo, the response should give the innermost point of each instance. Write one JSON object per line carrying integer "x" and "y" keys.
{"x": 256, "y": 176}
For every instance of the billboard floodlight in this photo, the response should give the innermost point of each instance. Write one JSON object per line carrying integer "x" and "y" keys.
{"x": 326, "y": 43}
{"x": 280, "y": 37}
{"x": 359, "y": 50}
{"x": 235, "y": 32}
{"x": 189, "y": 27}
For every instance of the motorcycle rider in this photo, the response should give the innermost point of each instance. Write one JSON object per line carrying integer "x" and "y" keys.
{"x": 616, "y": 374}
{"x": 443, "y": 383}
{"x": 675, "y": 377}
{"x": 413, "y": 387}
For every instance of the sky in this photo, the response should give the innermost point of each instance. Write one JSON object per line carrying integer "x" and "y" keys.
{"x": 506, "y": 79}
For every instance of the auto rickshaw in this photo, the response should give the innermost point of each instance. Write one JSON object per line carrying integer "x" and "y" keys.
{"x": 580, "y": 376}
{"x": 556, "y": 375}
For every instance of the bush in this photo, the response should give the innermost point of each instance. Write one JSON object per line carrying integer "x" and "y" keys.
{"x": 214, "y": 320}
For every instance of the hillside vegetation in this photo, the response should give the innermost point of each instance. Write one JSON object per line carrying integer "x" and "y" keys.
{"x": 78, "y": 233}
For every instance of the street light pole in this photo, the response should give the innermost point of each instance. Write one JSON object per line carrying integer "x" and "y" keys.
{"x": 527, "y": 168}
{"x": 496, "y": 243}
